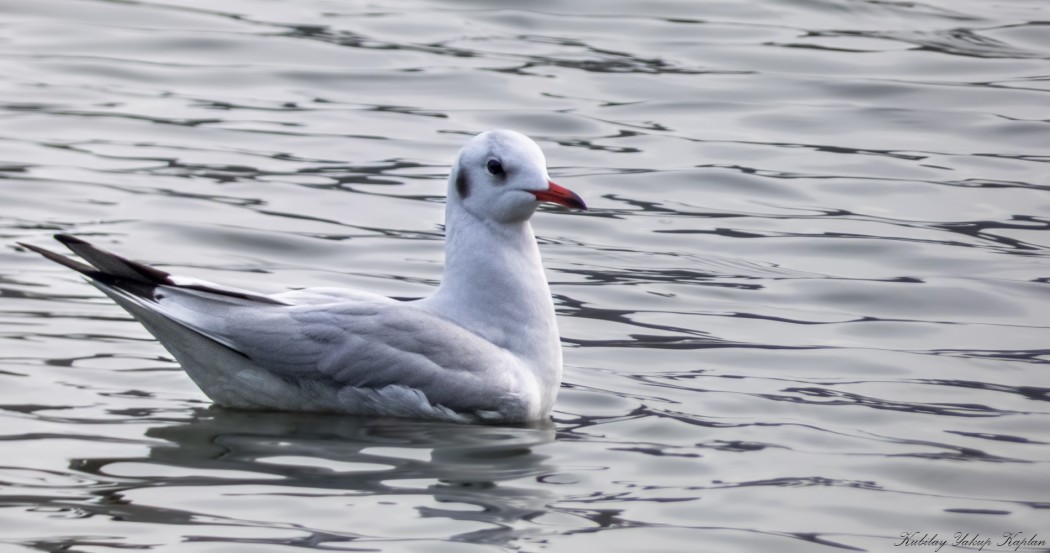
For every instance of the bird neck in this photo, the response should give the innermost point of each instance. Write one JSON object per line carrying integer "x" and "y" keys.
{"x": 494, "y": 285}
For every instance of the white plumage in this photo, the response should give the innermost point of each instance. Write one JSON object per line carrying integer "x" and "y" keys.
{"x": 484, "y": 347}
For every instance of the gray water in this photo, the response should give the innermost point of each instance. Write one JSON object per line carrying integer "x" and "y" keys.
{"x": 808, "y": 310}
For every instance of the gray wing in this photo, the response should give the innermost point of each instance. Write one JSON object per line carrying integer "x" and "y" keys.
{"x": 314, "y": 349}
{"x": 370, "y": 344}
{"x": 331, "y": 356}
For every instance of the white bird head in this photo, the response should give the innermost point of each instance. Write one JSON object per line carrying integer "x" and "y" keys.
{"x": 502, "y": 176}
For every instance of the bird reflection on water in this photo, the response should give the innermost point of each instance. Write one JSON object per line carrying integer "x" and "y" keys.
{"x": 325, "y": 456}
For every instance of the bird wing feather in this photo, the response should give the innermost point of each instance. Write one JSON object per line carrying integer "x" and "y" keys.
{"x": 323, "y": 339}
{"x": 365, "y": 343}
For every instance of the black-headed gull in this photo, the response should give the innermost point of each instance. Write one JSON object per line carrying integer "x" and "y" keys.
{"x": 483, "y": 347}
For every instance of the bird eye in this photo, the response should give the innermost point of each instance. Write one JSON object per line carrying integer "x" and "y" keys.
{"x": 495, "y": 167}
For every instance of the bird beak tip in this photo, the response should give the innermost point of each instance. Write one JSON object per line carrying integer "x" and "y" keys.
{"x": 560, "y": 195}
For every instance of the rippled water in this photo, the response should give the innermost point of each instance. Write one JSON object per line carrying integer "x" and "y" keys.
{"x": 808, "y": 311}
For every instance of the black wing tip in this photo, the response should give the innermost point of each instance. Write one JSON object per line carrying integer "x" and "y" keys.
{"x": 113, "y": 265}
{"x": 70, "y": 240}
{"x": 42, "y": 251}
{"x": 137, "y": 278}
{"x": 68, "y": 262}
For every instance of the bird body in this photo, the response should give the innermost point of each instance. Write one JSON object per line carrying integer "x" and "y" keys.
{"x": 483, "y": 348}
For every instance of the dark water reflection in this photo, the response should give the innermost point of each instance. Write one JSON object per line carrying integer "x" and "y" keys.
{"x": 808, "y": 309}
{"x": 248, "y": 460}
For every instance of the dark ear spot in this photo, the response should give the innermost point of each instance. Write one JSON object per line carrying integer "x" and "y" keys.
{"x": 462, "y": 184}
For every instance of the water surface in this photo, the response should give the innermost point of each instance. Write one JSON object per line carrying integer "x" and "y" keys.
{"x": 808, "y": 310}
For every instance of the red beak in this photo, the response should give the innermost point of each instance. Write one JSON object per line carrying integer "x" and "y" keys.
{"x": 562, "y": 196}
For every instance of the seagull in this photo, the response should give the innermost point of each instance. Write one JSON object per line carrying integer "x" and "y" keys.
{"x": 484, "y": 348}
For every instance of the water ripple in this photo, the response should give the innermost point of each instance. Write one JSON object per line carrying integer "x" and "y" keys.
{"x": 807, "y": 309}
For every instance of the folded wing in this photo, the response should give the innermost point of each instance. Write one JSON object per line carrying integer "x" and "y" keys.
{"x": 251, "y": 350}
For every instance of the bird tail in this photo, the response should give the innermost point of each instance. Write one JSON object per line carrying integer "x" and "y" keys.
{"x": 187, "y": 316}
